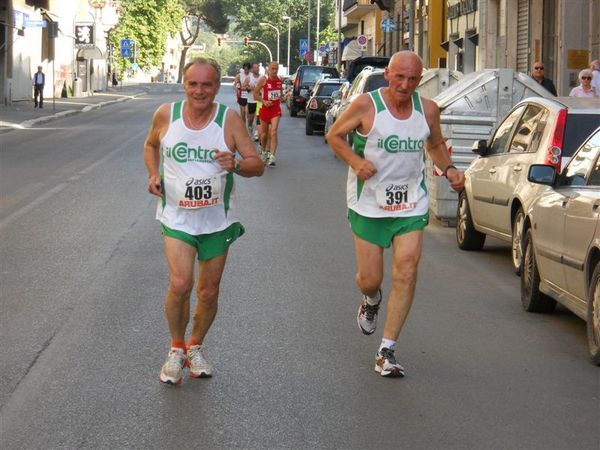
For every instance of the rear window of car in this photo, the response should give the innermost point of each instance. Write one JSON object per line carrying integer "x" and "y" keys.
{"x": 579, "y": 127}
{"x": 312, "y": 74}
{"x": 325, "y": 90}
{"x": 375, "y": 82}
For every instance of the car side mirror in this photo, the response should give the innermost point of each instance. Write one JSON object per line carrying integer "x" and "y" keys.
{"x": 480, "y": 147}
{"x": 542, "y": 174}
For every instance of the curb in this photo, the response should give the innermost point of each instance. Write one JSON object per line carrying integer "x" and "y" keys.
{"x": 70, "y": 112}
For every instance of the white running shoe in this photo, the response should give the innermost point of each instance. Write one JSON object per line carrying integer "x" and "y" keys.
{"x": 199, "y": 368}
{"x": 271, "y": 160}
{"x": 386, "y": 365}
{"x": 172, "y": 369}
{"x": 367, "y": 315}
{"x": 264, "y": 155}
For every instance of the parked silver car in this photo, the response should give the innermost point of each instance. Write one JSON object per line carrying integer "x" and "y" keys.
{"x": 497, "y": 193}
{"x": 562, "y": 241}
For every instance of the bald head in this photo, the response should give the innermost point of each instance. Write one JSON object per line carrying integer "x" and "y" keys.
{"x": 406, "y": 59}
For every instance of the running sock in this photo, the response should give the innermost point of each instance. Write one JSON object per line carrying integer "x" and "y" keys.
{"x": 178, "y": 344}
{"x": 373, "y": 301}
{"x": 193, "y": 342}
{"x": 386, "y": 343}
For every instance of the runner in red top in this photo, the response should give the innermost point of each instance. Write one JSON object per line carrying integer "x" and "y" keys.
{"x": 268, "y": 91}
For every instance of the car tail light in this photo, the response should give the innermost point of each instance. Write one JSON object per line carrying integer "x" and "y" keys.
{"x": 554, "y": 152}
{"x": 313, "y": 104}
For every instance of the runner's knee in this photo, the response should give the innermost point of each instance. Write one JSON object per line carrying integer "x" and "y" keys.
{"x": 208, "y": 295}
{"x": 369, "y": 282}
{"x": 181, "y": 286}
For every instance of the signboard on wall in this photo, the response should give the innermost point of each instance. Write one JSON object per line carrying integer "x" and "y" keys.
{"x": 84, "y": 35}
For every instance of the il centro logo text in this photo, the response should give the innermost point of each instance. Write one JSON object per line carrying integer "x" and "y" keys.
{"x": 393, "y": 144}
{"x": 182, "y": 153}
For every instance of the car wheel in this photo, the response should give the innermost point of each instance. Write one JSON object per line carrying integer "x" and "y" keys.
{"x": 309, "y": 128}
{"x": 467, "y": 237}
{"x": 517, "y": 241}
{"x": 593, "y": 317}
{"x": 531, "y": 298}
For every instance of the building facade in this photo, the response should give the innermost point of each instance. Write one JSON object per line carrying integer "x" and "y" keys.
{"x": 471, "y": 35}
{"x": 68, "y": 38}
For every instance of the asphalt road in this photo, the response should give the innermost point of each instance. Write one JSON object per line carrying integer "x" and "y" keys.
{"x": 83, "y": 334}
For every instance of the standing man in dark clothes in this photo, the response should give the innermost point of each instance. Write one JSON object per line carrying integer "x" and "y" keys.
{"x": 39, "y": 79}
{"x": 538, "y": 75}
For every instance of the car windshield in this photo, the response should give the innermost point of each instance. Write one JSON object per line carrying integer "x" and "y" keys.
{"x": 375, "y": 82}
{"x": 325, "y": 90}
{"x": 579, "y": 127}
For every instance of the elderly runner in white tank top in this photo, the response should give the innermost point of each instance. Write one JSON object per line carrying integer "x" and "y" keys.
{"x": 192, "y": 153}
{"x": 386, "y": 192}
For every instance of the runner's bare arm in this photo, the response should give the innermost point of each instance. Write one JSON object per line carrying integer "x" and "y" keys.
{"x": 236, "y": 81}
{"x": 258, "y": 88}
{"x": 436, "y": 146}
{"x": 160, "y": 123}
{"x": 238, "y": 139}
{"x": 359, "y": 115}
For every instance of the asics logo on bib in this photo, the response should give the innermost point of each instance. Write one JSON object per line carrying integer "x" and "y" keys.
{"x": 393, "y": 144}
{"x": 181, "y": 153}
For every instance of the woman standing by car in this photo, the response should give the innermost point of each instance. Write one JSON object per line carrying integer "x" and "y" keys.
{"x": 585, "y": 88}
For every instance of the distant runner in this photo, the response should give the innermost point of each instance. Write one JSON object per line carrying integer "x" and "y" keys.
{"x": 269, "y": 92}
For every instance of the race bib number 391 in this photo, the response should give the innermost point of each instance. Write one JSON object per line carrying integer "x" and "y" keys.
{"x": 201, "y": 192}
{"x": 396, "y": 196}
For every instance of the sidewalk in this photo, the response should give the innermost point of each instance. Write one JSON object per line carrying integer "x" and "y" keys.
{"x": 22, "y": 114}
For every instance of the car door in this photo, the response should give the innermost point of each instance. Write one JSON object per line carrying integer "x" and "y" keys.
{"x": 483, "y": 172}
{"x": 511, "y": 173}
{"x": 564, "y": 222}
{"x": 581, "y": 215}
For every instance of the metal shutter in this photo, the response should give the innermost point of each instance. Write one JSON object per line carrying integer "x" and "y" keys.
{"x": 523, "y": 35}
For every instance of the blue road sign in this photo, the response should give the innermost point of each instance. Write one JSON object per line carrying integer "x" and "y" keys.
{"x": 126, "y": 48}
{"x": 303, "y": 47}
{"x": 388, "y": 25}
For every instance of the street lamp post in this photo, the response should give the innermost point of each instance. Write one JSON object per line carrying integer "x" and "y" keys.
{"x": 289, "y": 19}
{"x": 277, "y": 31}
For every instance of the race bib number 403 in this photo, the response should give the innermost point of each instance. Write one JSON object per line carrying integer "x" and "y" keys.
{"x": 194, "y": 193}
{"x": 396, "y": 196}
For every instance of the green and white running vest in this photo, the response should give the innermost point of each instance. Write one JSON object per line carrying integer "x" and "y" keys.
{"x": 198, "y": 194}
{"x": 397, "y": 149}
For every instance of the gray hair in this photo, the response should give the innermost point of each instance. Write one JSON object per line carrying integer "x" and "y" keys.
{"x": 585, "y": 73}
{"x": 204, "y": 62}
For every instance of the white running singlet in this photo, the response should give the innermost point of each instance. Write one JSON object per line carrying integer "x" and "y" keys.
{"x": 198, "y": 193}
{"x": 396, "y": 148}
{"x": 252, "y": 82}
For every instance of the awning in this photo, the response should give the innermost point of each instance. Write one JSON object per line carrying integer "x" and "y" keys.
{"x": 352, "y": 51}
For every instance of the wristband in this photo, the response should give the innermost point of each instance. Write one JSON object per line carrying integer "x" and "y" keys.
{"x": 236, "y": 167}
{"x": 451, "y": 166}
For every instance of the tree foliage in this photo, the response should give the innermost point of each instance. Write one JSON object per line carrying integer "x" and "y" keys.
{"x": 147, "y": 23}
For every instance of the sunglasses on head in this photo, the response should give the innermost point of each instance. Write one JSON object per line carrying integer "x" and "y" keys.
{"x": 538, "y": 68}
{"x": 586, "y": 78}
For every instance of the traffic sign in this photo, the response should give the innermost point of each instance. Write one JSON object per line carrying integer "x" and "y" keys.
{"x": 30, "y": 23}
{"x": 303, "y": 47}
{"x": 126, "y": 48}
{"x": 362, "y": 40}
{"x": 388, "y": 25}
